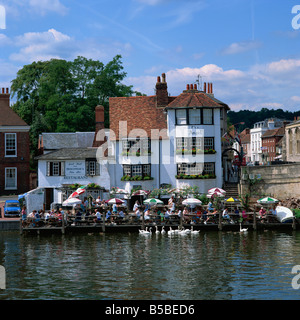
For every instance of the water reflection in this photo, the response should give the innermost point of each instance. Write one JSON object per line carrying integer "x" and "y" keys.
{"x": 212, "y": 265}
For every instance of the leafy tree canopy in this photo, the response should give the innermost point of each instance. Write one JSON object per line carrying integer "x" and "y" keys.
{"x": 61, "y": 96}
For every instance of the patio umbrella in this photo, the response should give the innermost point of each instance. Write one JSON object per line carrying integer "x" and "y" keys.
{"x": 71, "y": 202}
{"x": 267, "y": 200}
{"x": 231, "y": 201}
{"x": 141, "y": 193}
{"x": 191, "y": 201}
{"x": 219, "y": 190}
{"x": 78, "y": 191}
{"x": 153, "y": 201}
{"x": 215, "y": 194}
{"x": 115, "y": 201}
{"x": 119, "y": 191}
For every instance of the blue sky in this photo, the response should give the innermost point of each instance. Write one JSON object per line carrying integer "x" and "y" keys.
{"x": 247, "y": 48}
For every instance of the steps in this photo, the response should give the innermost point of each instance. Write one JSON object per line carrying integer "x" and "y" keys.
{"x": 231, "y": 190}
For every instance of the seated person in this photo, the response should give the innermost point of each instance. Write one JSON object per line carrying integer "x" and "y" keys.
{"x": 244, "y": 216}
{"x": 121, "y": 215}
{"x": 108, "y": 215}
{"x": 210, "y": 206}
{"x": 226, "y": 216}
{"x": 147, "y": 215}
{"x": 97, "y": 216}
{"x": 167, "y": 215}
{"x": 204, "y": 215}
{"x": 37, "y": 218}
{"x": 78, "y": 215}
{"x": 262, "y": 213}
{"x": 211, "y": 215}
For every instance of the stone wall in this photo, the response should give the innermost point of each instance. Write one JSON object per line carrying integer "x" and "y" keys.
{"x": 279, "y": 181}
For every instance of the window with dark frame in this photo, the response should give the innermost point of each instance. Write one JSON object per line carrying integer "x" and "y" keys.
{"x": 133, "y": 170}
{"x": 92, "y": 167}
{"x": 194, "y": 143}
{"x": 194, "y": 116}
{"x": 196, "y": 168}
{"x": 142, "y": 146}
{"x": 55, "y": 168}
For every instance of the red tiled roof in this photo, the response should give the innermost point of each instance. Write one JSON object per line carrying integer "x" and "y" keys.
{"x": 195, "y": 98}
{"x": 139, "y": 112}
{"x": 279, "y": 132}
{"x": 7, "y": 116}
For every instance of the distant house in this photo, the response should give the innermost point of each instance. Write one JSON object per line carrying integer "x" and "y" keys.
{"x": 70, "y": 158}
{"x": 270, "y": 144}
{"x": 168, "y": 140}
{"x": 14, "y": 149}
{"x": 259, "y": 128}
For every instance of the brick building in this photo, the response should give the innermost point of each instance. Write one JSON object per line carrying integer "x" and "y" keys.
{"x": 14, "y": 149}
{"x": 270, "y": 140}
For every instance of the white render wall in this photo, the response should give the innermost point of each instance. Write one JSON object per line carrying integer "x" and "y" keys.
{"x": 163, "y": 159}
{"x": 45, "y": 181}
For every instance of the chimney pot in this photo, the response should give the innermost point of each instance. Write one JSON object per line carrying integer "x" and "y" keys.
{"x": 7, "y": 91}
{"x": 163, "y": 75}
{"x": 2, "y": 90}
{"x": 204, "y": 87}
{"x": 211, "y": 88}
{"x": 187, "y": 87}
{"x": 195, "y": 86}
{"x": 158, "y": 79}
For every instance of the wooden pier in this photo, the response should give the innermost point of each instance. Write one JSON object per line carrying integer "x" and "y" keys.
{"x": 134, "y": 228}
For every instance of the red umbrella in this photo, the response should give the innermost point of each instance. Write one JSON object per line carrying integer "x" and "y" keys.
{"x": 114, "y": 201}
{"x": 214, "y": 190}
{"x": 141, "y": 193}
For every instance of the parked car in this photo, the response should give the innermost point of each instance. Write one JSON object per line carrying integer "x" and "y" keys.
{"x": 12, "y": 208}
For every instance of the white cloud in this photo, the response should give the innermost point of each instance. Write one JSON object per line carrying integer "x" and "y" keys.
{"x": 35, "y": 46}
{"x": 241, "y": 47}
{"x": 273, "y": 85}
{"x": 44, "y": 6}
{"x": 36, "y": 7}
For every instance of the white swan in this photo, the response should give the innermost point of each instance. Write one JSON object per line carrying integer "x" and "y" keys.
{"x": 157, "y": 231}
{"x": 243, "y": 229}
{"x": 163, "y": 231}
{"x": 171, "y": 231}
{"x": 145, "y": 232}
{"x": 182, "y": 231}
{"x": 195, "y": 231}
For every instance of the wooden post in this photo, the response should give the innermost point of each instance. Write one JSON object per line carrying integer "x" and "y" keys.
{"x": 21, "y": 226}
{"x": 103, "y": 220}
{"x": 143, "y": 220}
{"x": 220, "y": 221}
{"x": 63, "y": 224}
{"x": 254, "y": 220}
{"x": 181, "y": 220}
{"x": 294, "y": 223}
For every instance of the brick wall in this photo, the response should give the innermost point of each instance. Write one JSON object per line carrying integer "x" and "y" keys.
{"x": 21, "y": 162}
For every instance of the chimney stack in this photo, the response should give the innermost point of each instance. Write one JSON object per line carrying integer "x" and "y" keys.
{"x": 99, "y": 125}
{"x": 4, "y": 97}
{"x": 162, "y": 91}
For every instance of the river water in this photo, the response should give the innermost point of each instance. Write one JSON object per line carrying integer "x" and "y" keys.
{"x": 211, "y": 265}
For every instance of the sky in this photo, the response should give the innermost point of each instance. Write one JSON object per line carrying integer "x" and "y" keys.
{"x": 248, "y": 49}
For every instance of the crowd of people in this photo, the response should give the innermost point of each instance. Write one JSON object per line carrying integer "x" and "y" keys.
{"x": 97, "y": 211}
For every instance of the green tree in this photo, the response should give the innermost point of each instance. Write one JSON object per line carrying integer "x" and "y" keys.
{"x": 61, "y": 96}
